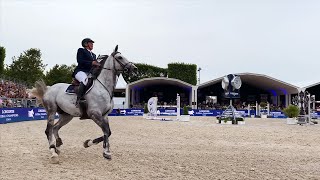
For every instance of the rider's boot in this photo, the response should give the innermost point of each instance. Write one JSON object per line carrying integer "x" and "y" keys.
{"x": 80, "y": 94}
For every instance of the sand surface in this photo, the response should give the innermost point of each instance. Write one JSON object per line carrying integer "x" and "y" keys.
{"x": 149, "y": 149}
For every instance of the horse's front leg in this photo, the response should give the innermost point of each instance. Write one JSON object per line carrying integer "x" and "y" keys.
{"x": 103, "y": 123}
{"x": 107, "y": 134}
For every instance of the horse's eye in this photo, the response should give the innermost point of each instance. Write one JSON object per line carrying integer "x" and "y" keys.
{"x": 119, "y": 57}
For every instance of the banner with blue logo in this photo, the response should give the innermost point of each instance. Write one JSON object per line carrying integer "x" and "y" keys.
{"x": 126, "y": 112}
{"x": 8, "y": 115}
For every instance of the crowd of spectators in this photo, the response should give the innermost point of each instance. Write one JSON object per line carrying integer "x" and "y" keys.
{"x": 13, "y": 94}
{"x": 10, "y": 89}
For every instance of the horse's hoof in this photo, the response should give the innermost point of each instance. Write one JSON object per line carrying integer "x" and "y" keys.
{"x": 59, "y": 142}
{"x": 87, "y": 143}
{"x": 54, "y": 159}
{"x": 58, "y": 151}
{"x": 107, "y": 155}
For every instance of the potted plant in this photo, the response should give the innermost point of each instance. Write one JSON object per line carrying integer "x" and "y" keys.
{"x": 292, "y": 113}
{"x": 226, "y": 120}
{"x": 185, "y": 115}
{"x": 240, "y": 120}
{"x": 145, "y": 111}
{"x": 263, "y": 106}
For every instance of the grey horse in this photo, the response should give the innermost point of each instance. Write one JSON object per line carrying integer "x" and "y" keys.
{"x": 99, "y": 103}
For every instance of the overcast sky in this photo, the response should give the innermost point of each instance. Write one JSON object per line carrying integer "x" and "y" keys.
{"x": 279, "y": 38}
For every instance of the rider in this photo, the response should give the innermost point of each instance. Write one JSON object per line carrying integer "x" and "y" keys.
{"x": 86, "y": 60}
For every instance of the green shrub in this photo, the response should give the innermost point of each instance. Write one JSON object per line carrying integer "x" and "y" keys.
{"x": 239, "y": 119}
{"x": 145, "y": 108}
{"x": 185, "y": 110}
{"x": 291, "y": 111}
{"x": 263, "y": 105}
{"x": 225, "y": 119}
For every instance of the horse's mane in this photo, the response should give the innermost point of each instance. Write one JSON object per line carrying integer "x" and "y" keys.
{"x": 96, "y": 71}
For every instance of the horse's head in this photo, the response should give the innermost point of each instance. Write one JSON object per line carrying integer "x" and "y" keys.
{"x": 121, "y": 63}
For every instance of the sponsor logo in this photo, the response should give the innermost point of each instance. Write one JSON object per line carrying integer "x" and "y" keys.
{"x": 30, "y": 113}
{"x": 11, "y": 111}
{"x": 136, "y": 110}
{"x": 42, "y": 110}
{"x": 204, "y": 110}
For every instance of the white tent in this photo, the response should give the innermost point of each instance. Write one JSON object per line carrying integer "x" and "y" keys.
{"x": 121, "y": 84}
{"x": 119, "y": 102}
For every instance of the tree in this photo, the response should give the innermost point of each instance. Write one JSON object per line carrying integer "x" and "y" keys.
{"x": 184, "y": 72}
{"x": 2, "y": 57}
{"x": 28, "y": 67}
{"x": 145, "y": 71}
{"x": 59, "y": 74}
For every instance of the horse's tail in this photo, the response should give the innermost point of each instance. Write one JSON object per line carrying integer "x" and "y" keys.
{"x": 39, "y": 89}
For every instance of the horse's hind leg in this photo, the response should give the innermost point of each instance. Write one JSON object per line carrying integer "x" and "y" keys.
{"x": 49, "y": 133}
{"x": 51, "y": 110}
{"x": 63, "y": 120}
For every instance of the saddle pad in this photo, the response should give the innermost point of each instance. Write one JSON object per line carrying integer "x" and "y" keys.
{"x": 71, "y": 89}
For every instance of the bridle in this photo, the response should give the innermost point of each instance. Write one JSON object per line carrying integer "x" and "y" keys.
{"x": 124, "y": 67}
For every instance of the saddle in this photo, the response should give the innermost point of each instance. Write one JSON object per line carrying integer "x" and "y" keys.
{"x": 73, "y": 88}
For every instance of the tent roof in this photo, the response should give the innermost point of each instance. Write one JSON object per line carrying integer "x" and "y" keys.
{"x": 261, "y": 81}
{"x": 121, "y": 84}
{"x": 160, "y": 80}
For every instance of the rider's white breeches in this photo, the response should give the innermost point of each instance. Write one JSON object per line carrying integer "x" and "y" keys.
{"x": 82, "y": 77}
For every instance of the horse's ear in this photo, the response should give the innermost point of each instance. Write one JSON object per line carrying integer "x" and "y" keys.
{"x": 116, "y": 49}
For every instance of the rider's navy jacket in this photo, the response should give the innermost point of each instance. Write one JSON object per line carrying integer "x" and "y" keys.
{"x": 84, "y": 59}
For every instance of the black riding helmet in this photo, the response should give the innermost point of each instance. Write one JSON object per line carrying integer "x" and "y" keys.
{"x": 85, "y": 42}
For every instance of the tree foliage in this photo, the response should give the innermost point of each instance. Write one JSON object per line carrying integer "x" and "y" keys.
{"x": 28, "y": 67}
{"x": 2, "y": 57}
{"x": 145, "y": 71}
{"x": 59, "y": 74}
{"x": 183, "y": 72}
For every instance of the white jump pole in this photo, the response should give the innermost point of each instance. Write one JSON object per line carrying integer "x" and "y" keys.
{"x": 178, "y": 106}
{"x": 257, "y": 109}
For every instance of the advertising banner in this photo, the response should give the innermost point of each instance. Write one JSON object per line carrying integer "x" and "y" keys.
{"x": 8, "y": 115}
{"x": 126, "y": 112}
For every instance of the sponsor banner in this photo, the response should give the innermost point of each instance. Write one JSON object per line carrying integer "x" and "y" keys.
{"x": 232, "y": 94}
{"x": 315, "y": 115}
{"x": 204, "y": 112}
{"x": 168, "y": 112}
{"x": 126, "y": 112}
{"x": 8, "y": 115}
{"x": 210, "y": 112}
{"x": 133, "y": 112}
{"x": 277, "y": 114}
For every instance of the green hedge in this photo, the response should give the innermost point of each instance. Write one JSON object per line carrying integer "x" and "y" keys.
{"x": 183, "y": 72}
{"x": 145, "y": 71}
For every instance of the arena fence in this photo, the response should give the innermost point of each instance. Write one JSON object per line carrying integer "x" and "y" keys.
{"x": 9, "y": 115}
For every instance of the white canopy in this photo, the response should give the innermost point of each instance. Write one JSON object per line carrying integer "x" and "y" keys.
{"x": 121, "y": 84}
